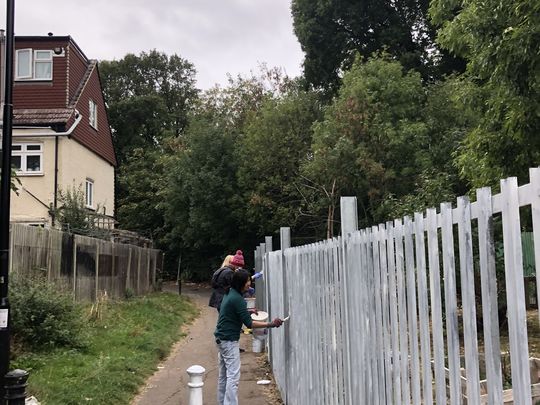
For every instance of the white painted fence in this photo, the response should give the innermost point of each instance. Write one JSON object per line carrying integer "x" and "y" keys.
{"x": 385, "y": 315}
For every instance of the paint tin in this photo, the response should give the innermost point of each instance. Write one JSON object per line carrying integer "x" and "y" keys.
{"x": 261, "y": 316}
{"x": 258, "y": 345}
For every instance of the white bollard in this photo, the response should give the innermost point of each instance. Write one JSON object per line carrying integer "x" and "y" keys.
{"x": 196, "y": 374}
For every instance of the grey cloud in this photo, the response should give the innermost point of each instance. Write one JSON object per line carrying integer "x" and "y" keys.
{"x": 219, "y": 37}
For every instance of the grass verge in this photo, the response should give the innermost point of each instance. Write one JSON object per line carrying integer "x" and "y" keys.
{"x": 125, "y": 343}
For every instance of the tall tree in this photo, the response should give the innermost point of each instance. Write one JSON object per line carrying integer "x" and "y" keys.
{"x": 371, "y": 141}
{"x": 204, "y": 203}
{"x": 148, "y": 97}
{"x": 276, "y": 143}
{"x": 332, "y": 32}
{"x": 500, "y": 41}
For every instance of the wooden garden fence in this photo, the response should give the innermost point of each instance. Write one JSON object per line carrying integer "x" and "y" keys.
{"x": 88, "y": 266}
{"x": 409, "y": 311}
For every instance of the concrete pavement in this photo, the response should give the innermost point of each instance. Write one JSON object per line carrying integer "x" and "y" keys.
{"x": 168, "y": 386}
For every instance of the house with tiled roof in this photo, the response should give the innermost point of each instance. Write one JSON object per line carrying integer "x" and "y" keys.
{"x": 61, "y": 136}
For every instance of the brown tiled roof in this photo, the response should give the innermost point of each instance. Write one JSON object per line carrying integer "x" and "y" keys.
{"x": 91, "y": 65}
{"x": 41, "y": 116}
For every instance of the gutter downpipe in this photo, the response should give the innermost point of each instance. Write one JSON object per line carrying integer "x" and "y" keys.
{"x": 56, "y": 136}
{"x": 55, "y": 199}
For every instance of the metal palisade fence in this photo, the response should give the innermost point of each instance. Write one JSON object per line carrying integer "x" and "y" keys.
{"x": 87, "y": 266}
{"x": 409, "y": 312}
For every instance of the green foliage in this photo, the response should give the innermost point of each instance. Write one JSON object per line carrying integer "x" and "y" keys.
{"x": 371, "y": 141}
{"x": 124, "y": 347}
{"x": 276, "y": 143}
{"x": 204, "y": 203}
{"x": 143, "y": 176}
{"x": 148, "y": 97}
{"x": 73, "y": 215}
{"x": 44, "y": 317}
{"x": 129, "y": 293}
{"x": 15, "y": 182}
{"x": 331, "y": 32}
{"x": 201, "y": 193}
{"x": 499, "y": 40}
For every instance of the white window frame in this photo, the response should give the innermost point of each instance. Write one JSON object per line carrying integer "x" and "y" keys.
{"x": 29, "y": 50}
{"x": 92, "y": 114}
{"x": 89, "y": 193}
{"x": 33, "y": 59}
{"x": 41, "y": 60}
{"x": 24, "y": 153}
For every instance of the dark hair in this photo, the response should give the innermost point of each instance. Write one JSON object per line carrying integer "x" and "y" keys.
{"x": 239, "y": 280}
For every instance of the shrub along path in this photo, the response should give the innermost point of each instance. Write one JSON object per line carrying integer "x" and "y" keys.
{"x": 168, "y": 385}
{"x": 124, "y": 342}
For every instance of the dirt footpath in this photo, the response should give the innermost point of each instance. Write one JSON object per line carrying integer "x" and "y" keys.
{"x": 168, "y": 385}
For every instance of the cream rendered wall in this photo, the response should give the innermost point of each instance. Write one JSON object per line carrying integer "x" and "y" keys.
{"x": 76, "y": 164}
{"x": 25, "y": 207}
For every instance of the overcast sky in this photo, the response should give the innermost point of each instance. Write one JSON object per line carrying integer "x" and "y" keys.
{"x": 217, "y": 36}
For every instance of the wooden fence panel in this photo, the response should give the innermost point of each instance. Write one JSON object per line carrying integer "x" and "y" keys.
{"x": 86, "y": 266}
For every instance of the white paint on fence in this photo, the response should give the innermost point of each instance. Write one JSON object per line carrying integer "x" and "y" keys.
{"x": 368, "y": 309}
{"x": 515, "y": 291}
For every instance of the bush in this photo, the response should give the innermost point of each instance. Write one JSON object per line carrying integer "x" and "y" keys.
{"x": 44, "y": 317}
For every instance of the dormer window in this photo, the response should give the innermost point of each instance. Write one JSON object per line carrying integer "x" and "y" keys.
{"x": 92, "y": 114}
{"x": 33, "y": 64}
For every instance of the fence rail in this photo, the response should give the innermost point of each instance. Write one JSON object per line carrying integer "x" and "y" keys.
{"x": 88, "y": 266}
{"x": 409, "y": 312}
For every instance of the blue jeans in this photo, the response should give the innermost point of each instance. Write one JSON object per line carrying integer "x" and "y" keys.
{"x": 229, "y": 372}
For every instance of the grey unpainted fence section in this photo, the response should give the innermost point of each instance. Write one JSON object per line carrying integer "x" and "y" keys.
{"x": 87, "y": 266}
{"x": 389, "y": 314}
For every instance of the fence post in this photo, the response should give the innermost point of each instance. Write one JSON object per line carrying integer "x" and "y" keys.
{"x": 349, "y": 215}
{"x": 285, "y": 239}
{"x": 268, "y": 248}
{"x": 349, "y": 224}
{"x": 262, "y": 303}
{"x": 74, "y": 267}
{"x": 139, "y": 271}
{"x": 97, "y": 270}
{"x": 49, "y": 255}
{"x": 195, "y": 384}
{"x": 128, "y": 275}
{"x": 149, "y": 284}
